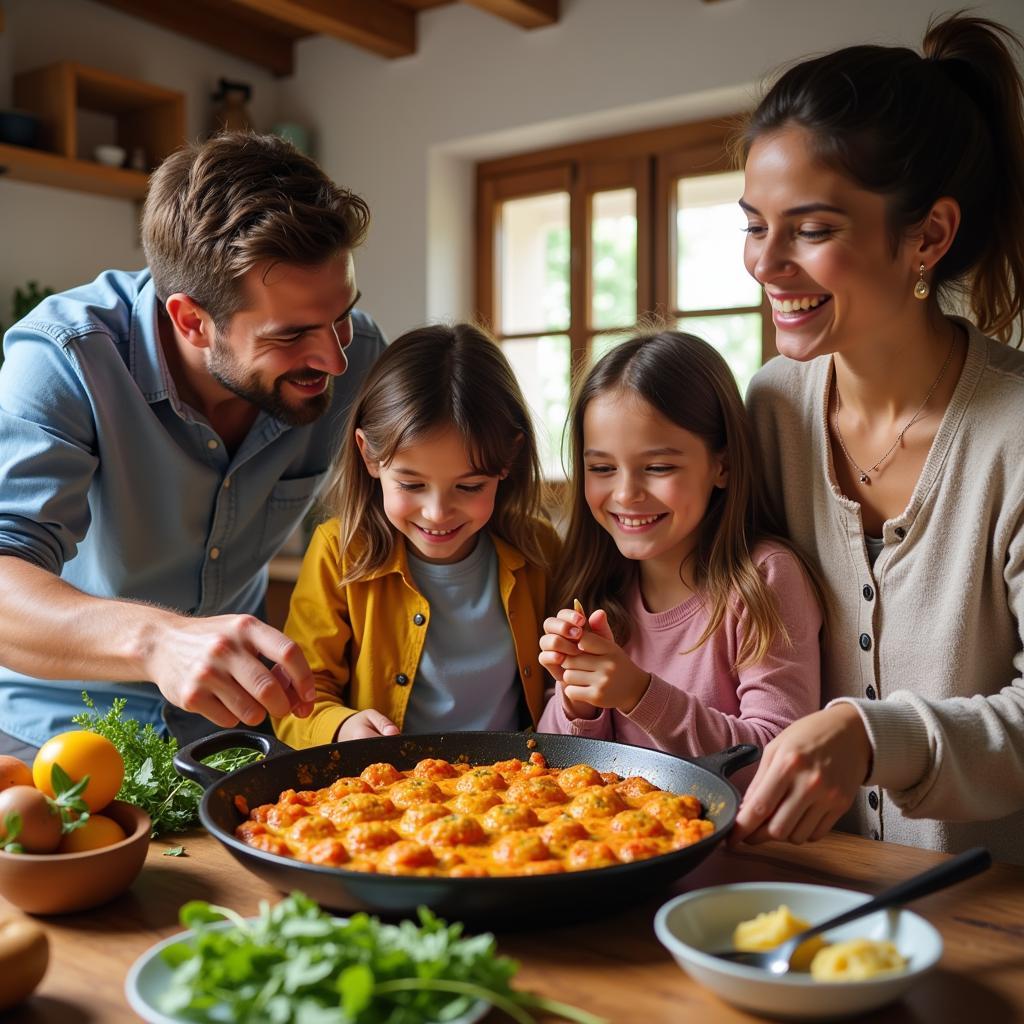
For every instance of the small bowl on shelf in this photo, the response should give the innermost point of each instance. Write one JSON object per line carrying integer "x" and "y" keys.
{"x": 692, "y": 925}
{"x": 62, "y": 883}
{"x": 110, "y": 155}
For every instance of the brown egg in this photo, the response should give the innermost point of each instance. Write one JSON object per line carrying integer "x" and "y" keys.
{"x": 40, "y": 823}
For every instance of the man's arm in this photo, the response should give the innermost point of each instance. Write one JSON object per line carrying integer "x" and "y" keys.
{"x": 210, "y": 666}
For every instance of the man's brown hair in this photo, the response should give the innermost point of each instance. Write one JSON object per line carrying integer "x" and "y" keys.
{"x": 217, "y": 209}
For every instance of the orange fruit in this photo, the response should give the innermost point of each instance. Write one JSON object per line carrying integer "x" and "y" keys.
{"x": 13, "y": 772}
{"x": 97, "y": 832}
{"x": 81, "y": 753}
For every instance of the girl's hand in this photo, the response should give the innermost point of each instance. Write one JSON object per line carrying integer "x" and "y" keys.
{"x": 601, "y": 674}
{"x": 364, "y": 725}
{"x": 807, "y": 779}
{"x": 560, "y": 639}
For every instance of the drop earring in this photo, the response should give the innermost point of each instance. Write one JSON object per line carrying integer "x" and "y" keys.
{"x": 921, "y": 289}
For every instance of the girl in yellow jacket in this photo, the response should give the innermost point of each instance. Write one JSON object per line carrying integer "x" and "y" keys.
{"x": 420, "y": 604}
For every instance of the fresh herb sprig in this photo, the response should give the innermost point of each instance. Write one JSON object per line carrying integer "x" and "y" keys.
{"x": 150, "y": 779}
{"x": 295, "y": 964}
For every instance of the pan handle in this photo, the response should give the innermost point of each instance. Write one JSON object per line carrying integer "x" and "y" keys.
{"x": 188, "y": 760}
{"x": 725, "y": 762}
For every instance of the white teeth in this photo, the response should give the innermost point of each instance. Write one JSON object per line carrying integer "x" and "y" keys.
{"x": 437, "y": 533}
{"x": 796, "y": 305}
{"x": 646, "y": 521}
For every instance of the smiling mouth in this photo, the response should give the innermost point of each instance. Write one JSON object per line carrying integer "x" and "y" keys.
{"x": 438, "y": 536}
{"x": 637, "y": 522}
{"x": 797, "y": 303}
{"x": 310, "y": 385}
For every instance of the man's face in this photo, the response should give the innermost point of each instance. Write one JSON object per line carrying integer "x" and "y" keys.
{"x": 282, "y": 351}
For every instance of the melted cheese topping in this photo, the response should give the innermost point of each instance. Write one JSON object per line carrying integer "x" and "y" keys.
{"x": 461, "y": 820}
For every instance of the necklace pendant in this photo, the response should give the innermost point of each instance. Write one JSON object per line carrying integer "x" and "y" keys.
{"x": 864, "y": 478}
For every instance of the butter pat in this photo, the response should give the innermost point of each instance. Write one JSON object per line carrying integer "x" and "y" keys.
{"x": 856, "y": 960}
{"x": 768, "y": 930}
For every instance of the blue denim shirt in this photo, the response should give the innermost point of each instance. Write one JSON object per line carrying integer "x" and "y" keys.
{"x": 110, "y": 481}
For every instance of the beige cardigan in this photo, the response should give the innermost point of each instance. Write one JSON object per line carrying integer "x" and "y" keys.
{"x": 928, "y": 645}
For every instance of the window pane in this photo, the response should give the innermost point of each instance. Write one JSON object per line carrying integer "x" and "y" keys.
{"x": 534, "y": 263}
{"x": 542, "y": 367}
{"x": 737, "y": 337}
{"x": 613, "y": 259}
{"x": 709, "y": 223}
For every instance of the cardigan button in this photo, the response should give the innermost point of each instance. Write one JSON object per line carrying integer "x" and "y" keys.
{"x": 402, "y": 679}
{"x": 868, "y": 592}
{"x": 865, "y": 642}
{"x": 419, "y": 618}
{"x": 900, "y": 532}
{"x": 875, "y": 834}
{"x": 527, "y": 671}
{"x": 873, "y": 800}
{"x": 870, "y": 691}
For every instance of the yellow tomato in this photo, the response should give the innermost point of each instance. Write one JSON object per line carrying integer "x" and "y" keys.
{"x": 96, "y": 832}
{"x": 81, "y": 753}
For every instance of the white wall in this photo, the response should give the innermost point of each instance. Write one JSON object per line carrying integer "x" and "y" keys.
{"x": 405, "y": 133}
{"x": 63, "y": 238}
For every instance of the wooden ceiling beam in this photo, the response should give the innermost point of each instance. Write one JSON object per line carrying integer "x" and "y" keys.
{"x": 378, "y": 25}
{"x": 524, "y": 13}
{"x": 209, "y": 25}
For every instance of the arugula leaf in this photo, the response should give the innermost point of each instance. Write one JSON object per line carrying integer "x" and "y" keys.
{"x": 295, "y": 964}
{"x": 150, "y": 778}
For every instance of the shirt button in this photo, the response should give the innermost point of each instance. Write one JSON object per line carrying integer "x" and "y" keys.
{"x": 900, "y": 532}
{"x": 214, "y": 553}
{"x": 868, "y": 592}
{"x": 402, "y": 679}
{"x": 870, "y": 691}
{"x": 865, "y": 642}
{"x": 875, "y": 834}
{"x": 873, "y": 800}
{"x": 211, "y": 444}
{"x": 227, "y": 482}
{"x": 419, "y": 618}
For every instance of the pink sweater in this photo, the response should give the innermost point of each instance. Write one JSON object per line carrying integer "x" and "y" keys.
{"x": 698, "y": 703}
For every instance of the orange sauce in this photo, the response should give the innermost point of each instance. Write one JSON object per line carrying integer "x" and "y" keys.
{"x": 507, "y": 818}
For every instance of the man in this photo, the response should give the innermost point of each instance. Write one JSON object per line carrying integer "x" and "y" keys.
{"x": 162, "y": 433}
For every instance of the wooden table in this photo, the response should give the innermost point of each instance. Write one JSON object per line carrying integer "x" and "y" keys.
{"x": 613, "y": 966}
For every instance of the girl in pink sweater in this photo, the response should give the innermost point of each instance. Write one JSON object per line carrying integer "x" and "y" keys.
{"x": 700, "y": 628}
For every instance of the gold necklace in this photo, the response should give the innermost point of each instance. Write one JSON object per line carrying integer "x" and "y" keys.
{"x": 863, "y": 473}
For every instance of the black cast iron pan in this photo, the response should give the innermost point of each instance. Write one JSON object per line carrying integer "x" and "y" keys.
{"x": 500, "y": 901}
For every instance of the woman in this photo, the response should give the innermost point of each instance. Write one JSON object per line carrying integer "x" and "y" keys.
{"x": 878, "y": 183}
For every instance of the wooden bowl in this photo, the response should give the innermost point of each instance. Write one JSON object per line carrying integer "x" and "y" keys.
{"x": 61, "y": 883}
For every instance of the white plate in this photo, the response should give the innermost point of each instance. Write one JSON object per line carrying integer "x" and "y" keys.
{"x": 702, "y": 920}
{"x": 150, "y": 975}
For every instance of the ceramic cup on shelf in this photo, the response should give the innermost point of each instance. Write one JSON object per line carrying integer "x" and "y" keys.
{"x": 110, "y": 155}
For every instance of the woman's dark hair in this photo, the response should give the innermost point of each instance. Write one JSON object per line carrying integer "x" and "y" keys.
{"x": 915, "y": 129}
{"x": 430, "y": 379}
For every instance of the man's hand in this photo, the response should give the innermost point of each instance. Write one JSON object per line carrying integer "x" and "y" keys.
{"x": 807, "y": 779}
{"x": 213, "y": 667}
{"x": 599, "y": 673}
{"x": 364, "y": 725}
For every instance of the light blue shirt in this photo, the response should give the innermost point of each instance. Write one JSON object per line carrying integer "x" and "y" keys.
{"x": 110, "y": 481}
{"x": 468, "y": 677}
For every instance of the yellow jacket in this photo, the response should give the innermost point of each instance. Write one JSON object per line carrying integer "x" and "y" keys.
{"x": 363, "y": 641}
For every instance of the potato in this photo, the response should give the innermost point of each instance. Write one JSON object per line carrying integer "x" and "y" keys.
{"x": 856, "y": 960}
{"x": 768, "y": 930}
{"x": 24, "y": 955}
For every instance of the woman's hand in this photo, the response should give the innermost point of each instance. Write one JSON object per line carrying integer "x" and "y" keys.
{"x": 807, "y": 779}
{"x": 601, "y": 674}
{"x": 364, "y": 725}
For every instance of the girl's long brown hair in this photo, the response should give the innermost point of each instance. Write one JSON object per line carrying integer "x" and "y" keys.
{"x": 688, "y": 383}
{"x": 431, "y": 379}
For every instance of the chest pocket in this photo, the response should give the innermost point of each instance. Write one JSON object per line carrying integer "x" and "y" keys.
{"x": 287, "y": 504}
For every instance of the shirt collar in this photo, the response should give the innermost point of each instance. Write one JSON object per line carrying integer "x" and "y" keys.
{"x": 398, "y": 561}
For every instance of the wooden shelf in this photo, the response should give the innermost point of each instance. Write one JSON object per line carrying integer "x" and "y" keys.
{"x": 33, "y": 165}
{"x": 145, "y": 116}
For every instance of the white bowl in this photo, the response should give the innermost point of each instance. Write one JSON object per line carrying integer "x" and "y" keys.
{"x": 690, "y": 925}
{"x": 111, "y": 156}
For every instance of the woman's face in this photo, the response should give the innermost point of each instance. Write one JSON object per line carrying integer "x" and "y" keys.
{"x": 820, "y": 246}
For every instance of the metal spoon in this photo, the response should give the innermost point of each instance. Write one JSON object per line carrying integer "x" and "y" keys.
{"x": 961, "y": 867}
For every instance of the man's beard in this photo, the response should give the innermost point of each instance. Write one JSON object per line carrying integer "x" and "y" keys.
{"x": 226, "y": 371}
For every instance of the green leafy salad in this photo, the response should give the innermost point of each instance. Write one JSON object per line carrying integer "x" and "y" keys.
{"x": 295, "y": 964}
{"x": 150, "y": 778}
